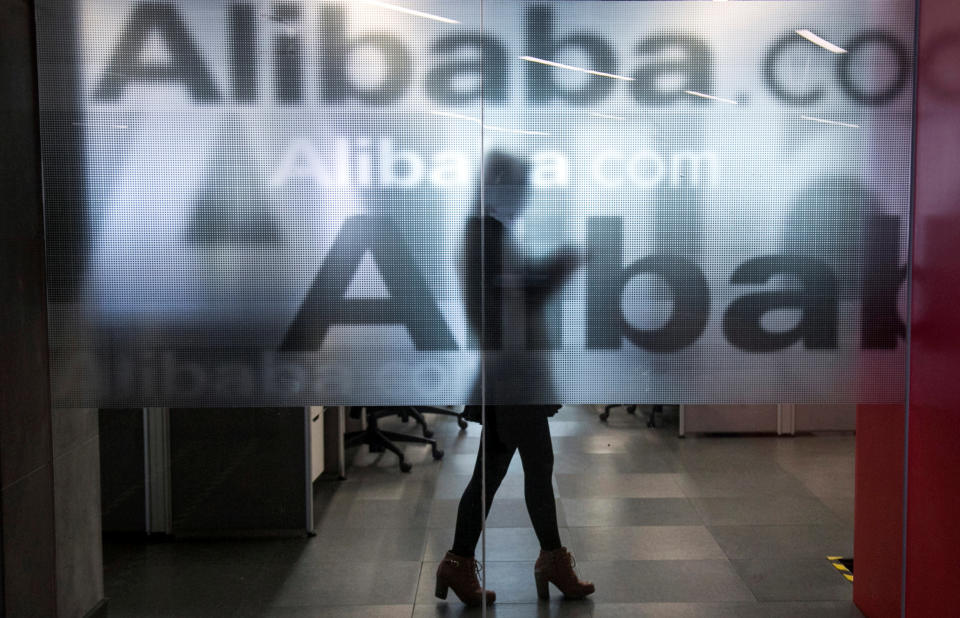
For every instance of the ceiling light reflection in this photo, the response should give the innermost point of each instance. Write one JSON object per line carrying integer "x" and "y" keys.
{"x": 437, "y": 112}
{"x": 573, "y": 68}
{"x": 112, "y": 125}
{"x": 403, "y": 9}
{"x": 517, "y": 131}
{"x": 816, "y": 40}
{"x": 711, "y": 97}
{"x": 607, "y": 116}
{"x": 833, "y": 122}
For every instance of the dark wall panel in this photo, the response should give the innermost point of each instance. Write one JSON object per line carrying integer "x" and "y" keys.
{"x": 238, "y": 469}
{"x": 26, "y": 472}
{"x": 122, "y": 474}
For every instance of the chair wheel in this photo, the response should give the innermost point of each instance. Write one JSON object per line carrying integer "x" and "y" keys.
{"x": 427, "y": 433}
{"x": 438, "y": 454}
{"x": 405, "y": 467}
{"x": 462, "y": 423}
{"x": 604, "y": 416}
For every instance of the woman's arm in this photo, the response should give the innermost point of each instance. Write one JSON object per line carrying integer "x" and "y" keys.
{"x": 547, "y": 274}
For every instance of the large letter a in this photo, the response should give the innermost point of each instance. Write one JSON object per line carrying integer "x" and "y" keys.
{"x": 410, "y": 302}
{"x": 185, "y": 66}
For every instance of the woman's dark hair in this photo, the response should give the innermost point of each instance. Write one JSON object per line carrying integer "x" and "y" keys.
{"x": 502, "y": 169}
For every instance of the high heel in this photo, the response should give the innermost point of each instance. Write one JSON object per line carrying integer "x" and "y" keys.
{"x": 557, "y": 567}
{"x": 543, "y": 587}
{"x": 460, "y": 574}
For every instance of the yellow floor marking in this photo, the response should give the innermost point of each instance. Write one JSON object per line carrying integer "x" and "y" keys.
{"x": 840, "y": 567}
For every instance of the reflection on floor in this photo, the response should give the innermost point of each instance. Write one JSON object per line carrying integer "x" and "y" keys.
{"x": 666, "y": 527}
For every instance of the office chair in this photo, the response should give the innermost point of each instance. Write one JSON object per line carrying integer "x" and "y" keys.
{"x": 380, "y": 440}
{"x": 417, "y": 412}
{"x": 606, "y": 411}
{"x": 631, "y": 409}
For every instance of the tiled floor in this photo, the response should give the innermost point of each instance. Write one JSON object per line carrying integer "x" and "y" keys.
{"x": 698, "y": 527}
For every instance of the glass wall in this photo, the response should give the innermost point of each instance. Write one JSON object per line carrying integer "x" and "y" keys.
{"x": 510, "y": 206}
{"x": 267, "y": 204}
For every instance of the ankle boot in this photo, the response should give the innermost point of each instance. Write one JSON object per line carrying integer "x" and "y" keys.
{"x": 460, "y": 574}
{"x": 556, "y": 567}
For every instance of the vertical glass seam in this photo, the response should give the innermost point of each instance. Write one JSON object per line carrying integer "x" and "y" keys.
{"x": 909, "y": 317}
{"x": 483, "y": 360}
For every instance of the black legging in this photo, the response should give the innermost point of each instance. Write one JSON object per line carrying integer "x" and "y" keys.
{"x": 536, "y": 455}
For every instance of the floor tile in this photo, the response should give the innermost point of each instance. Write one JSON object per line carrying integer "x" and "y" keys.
{"x": 644, "y": 543}
{"x": 559, "y": 427}
{"x": 502, "y": 544}
{"x": 391, "y": 544}
{"x": 827, "y": 478}
{"x": 582, "y": 512}
{"x": 663, "y": 580}
{"x": 606, "y": 444}
{"x": 811, "y": 448}
{"x": 764, "y": 510}
{"x": 769, "y": 481}
{"x": 607, "y": 465}
{"x": 794, "y": 579}
{"x": 190, "y": 553}
{"x": 727, "y": 453}
{"x": 843, "y": 609}
{"x": 616, "y": 581}
{"x": 619, "y": 486}
{"x": 323, "y": 611}
{"x": 648, "y": 461}
{"x": 384, "y": 514}
{"x": 338, "y": 583}
{"x": 181, "y": 585}
{"x": 451, "y": 486}
{"x": 590, "y": 609}
{"x": 557, "y": 608}
{"x": 842, "y": 507}
{"x": 505, "y": 513}
{"x": 814, "y": 542}
{"x": 461, "y": 444}
{"x": 395, "y": 489}
{"x": 464, "y": 463}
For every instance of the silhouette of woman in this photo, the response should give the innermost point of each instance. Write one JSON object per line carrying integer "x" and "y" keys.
{"x": 505, "y": 294}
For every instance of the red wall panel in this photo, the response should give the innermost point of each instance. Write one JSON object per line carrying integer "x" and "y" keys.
{"x": 879, "y": 500}
{"x": 933, "y": 459}
{"x": 878, "y": 526}
{"x": 933, "y": 463}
